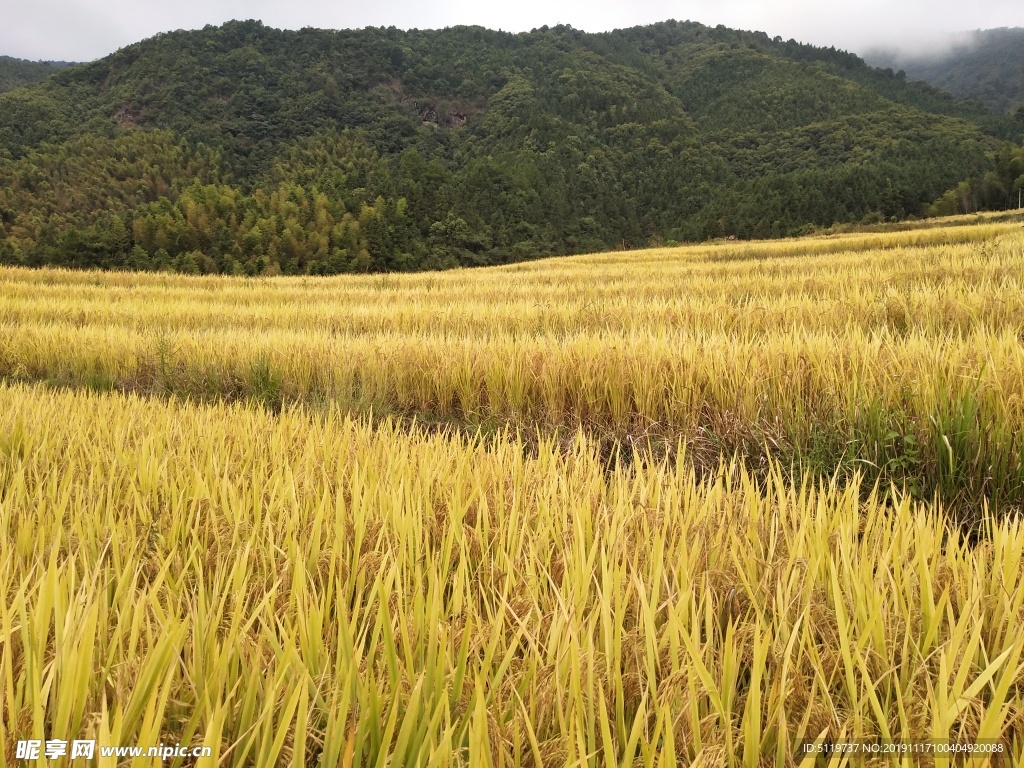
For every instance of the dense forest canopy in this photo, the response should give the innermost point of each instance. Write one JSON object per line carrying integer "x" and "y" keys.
{"x": 14, "y": 73}
{"x": 246, "y": 149}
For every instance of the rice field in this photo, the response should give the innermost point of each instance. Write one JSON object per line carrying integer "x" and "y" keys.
{"x": 896, "y": 355}
{"x": 696, "y": 506}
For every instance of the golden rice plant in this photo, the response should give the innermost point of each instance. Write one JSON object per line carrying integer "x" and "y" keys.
{"x": 306, "y": 588}
{"x": 898, "y": 354}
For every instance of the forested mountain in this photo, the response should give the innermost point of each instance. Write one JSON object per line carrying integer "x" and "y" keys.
{"x": 15, "y": 73}
{"x": 986, "y": 65}
{"x": 253, "y": 150}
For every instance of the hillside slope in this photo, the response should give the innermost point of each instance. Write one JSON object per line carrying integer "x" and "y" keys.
{"x": 988, "y": 66}
{"x": 14, "y": 73}
{"x": 253, "y": 150}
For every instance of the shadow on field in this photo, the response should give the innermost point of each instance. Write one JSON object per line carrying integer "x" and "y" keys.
{"x": 956, "y": 457}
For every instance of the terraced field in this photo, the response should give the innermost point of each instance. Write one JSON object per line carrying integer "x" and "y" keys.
{"x": 671, "y": 507}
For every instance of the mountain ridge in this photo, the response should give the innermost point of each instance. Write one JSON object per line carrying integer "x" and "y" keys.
{"x": 246, "y": 149}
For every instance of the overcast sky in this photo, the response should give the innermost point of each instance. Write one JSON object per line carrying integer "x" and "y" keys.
{"x": 82, "y": 30}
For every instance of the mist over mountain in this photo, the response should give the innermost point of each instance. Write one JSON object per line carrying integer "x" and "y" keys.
{"x": 985, "y": 65}
{"x": 247, "y": 149}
